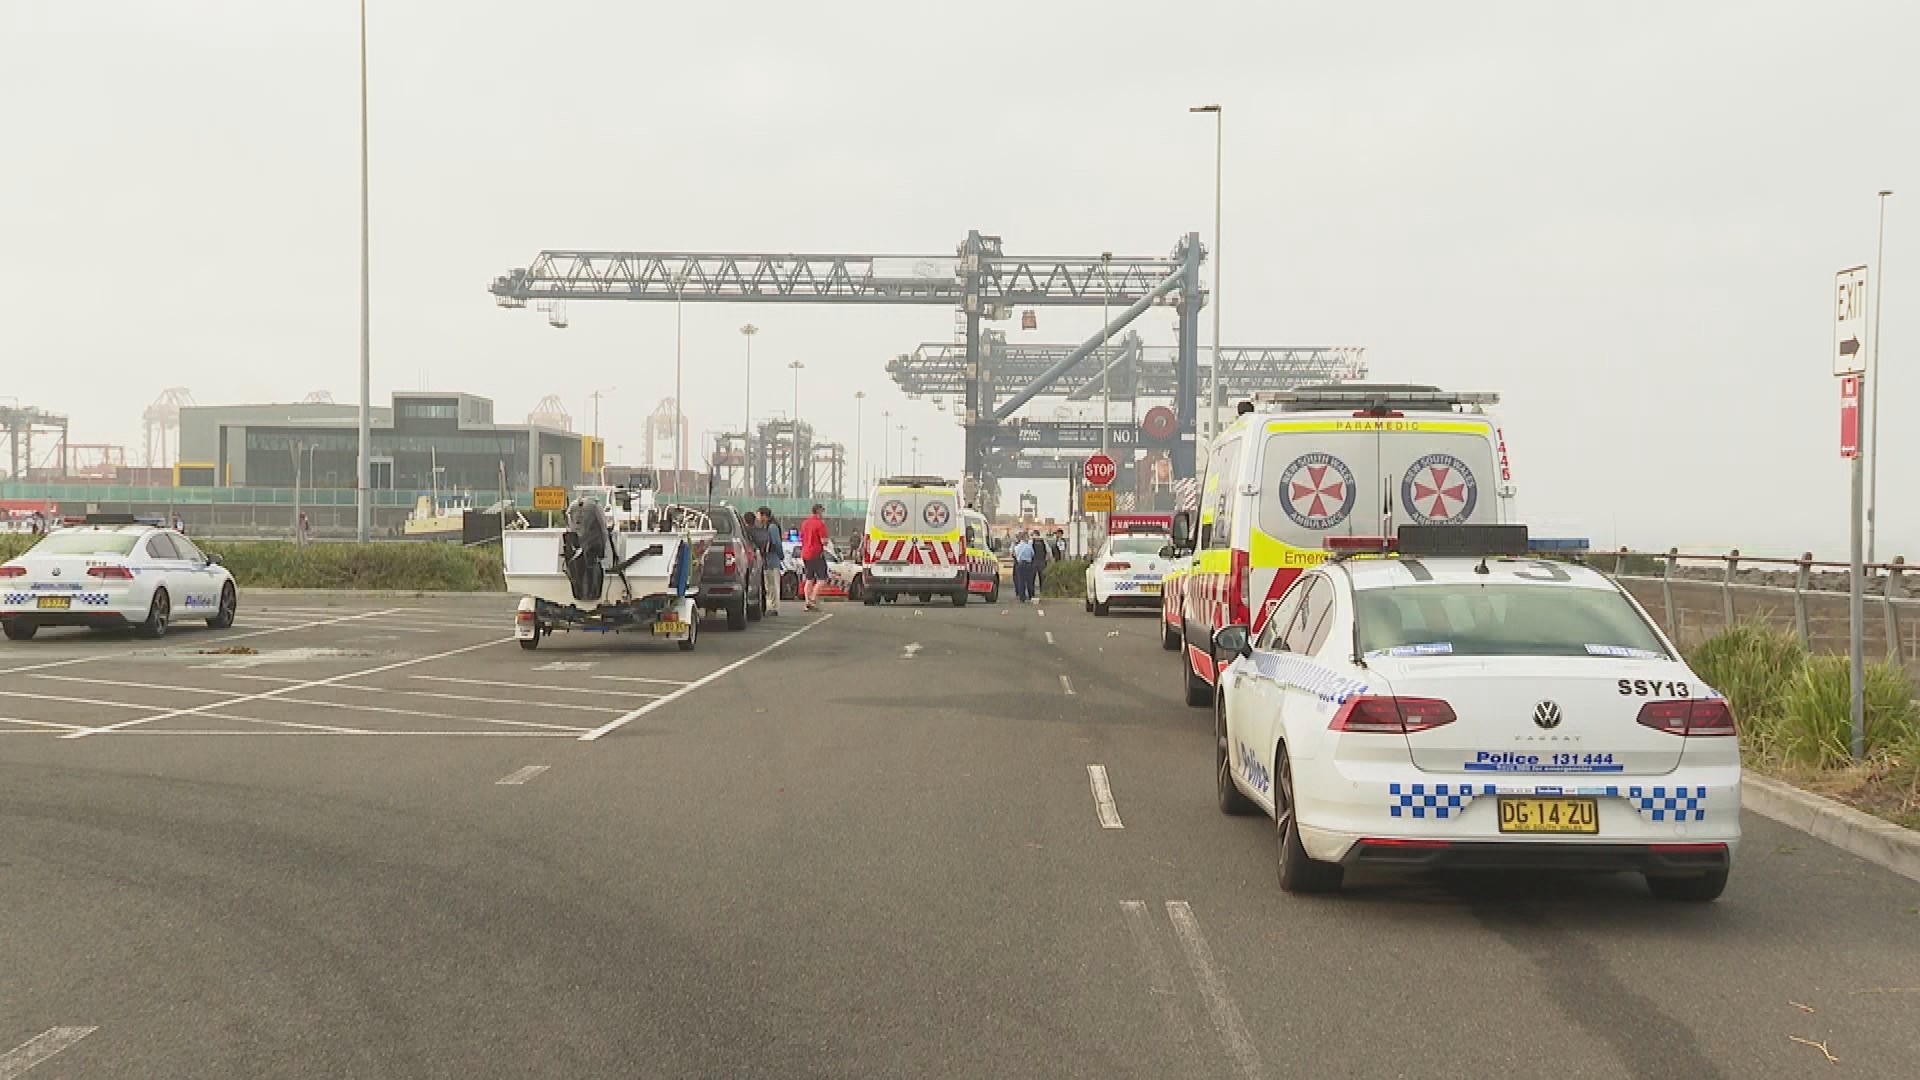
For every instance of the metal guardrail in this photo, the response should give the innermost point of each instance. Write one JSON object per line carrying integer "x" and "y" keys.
{"x": 1890, "y": 575}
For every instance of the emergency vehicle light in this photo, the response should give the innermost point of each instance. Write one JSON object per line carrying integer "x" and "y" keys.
{"x": 1557, "y": 544}
{"x": 1507, "y": 540}
{"x": 1383, "y": 396}
{"x": 1359, "y": 544}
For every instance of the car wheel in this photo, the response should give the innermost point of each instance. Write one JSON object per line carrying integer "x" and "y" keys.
{"x": 1169, "y": 637}
{"x": 855, "y": 590}
{"x": 993, "y": 591}
{"x": 229, "y": 603}
{"x": 926, "y": 598}
{"x": 1699, "y": 889}
{"x": 1232, "y": 802}
{"x": 19, "y": 629}
{"x": 1300, "y": 873}
{"x": 755, "y": 611}
{"x": 158, "y": 614}
{"x": 1199, "y": 691}
{"x": 693, "y": 634}
{"x": 737, "y": 614}
{"x": 960, "y": 596}
{"x": 531, "y": 643}
{"x": 871, "y": 599}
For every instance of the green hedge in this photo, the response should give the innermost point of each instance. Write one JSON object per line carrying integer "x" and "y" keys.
{"x": 278, "y": 564}
{"x": 1794, "y": 709}
{"x": 1064, "y": 577}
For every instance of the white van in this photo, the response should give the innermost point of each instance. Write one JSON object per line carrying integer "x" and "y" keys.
{"x": 914, "y": 544}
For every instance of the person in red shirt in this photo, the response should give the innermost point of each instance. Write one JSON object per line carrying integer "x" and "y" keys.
{"x": 813, "y": 552}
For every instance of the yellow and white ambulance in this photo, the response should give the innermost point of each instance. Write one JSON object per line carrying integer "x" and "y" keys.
{"x": 914, "y": 544}
{"x": 1325, "y": 461}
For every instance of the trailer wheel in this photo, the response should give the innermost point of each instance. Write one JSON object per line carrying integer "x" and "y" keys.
{"x": 531, "y": 643}
{"x": 693, "y": 633}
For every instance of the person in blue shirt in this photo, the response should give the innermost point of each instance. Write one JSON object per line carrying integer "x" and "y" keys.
{"x": 1023, "y": 568}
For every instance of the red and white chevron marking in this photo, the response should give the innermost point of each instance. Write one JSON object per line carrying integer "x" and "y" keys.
{"x": 917, "y": 552}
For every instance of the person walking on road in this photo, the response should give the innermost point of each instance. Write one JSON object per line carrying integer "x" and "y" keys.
{"x": 813, "y": 552}
{"x": 1022, "y": 568}
{"x": 1041, "y": 555}
{"x": 775, "y": 564}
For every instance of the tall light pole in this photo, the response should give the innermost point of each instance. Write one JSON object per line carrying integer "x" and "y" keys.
{"x": 679, "y": 416}
{"x": 886, "y": 441}
{"x": 596, "y": 396}
{"x": 364, "y": 532}
{"x": 916, "y": 455}
{"x": 1213, "y": 374}
{"x": 859, "y": 432}
{"x": 793, "y": 475}
{"x": 901, "y": 444}
{"x": 746, "y": 392}
{"x": 1873, "y": 381}
{"x": 1106, "y": 395}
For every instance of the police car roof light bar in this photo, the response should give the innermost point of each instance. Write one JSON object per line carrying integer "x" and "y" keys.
{"x": 1463, "y": 540}
{"x": 1559, "y": 545}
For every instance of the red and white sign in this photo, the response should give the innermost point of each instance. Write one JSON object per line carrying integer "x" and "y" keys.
{"x": 1099, "y": 471}
{"x": 1849, "y": 416}
{"x": 1157, "y": 423}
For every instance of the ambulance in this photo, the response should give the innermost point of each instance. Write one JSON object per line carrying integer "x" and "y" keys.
{"x": 914, "y": 545}
{"x": 1347, "y": 459}
{"x": 983, "y": 566}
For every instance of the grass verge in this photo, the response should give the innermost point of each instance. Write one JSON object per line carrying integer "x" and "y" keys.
{"x": 1793, "y": 711}
{"x": 278, "y": 564}
{"x": 1064, "y": 578}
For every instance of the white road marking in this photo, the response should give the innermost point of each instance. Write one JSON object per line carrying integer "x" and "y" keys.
{"x": 39, "y": 1048}
{"x": 97, "y": 702}
{"x": 428, "y": 715}
{"x": 565, "y": 665}
{"x": 138, "y": 685}
{"x": 48, "y": 664}
{"x": 103, "y": 655}
{"x": 910, "y": 648}
{"x": 1213, "y": 989}
{"x": 521, "y": 775}
{"x": 637, "y": 678}
{"x": 1049, "y": 637}
{"x": 531, "y": 686}
{"x": 483, "y": 700}
{"x": 257, "y": 678}
{"x": 1159, "y": 976}
{"x": 622, "y": 721}
{"x": 1067, "y": 685}
{"x": 569, "y": 734}
{"x": 264, "y": 694}
{"x": 40, "y": 723}
{"x": 328, "y": 728}
{"x": 1103, "y": 803}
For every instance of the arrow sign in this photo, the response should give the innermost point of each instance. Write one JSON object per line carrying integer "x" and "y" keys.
{"x": 1850, "y": 321}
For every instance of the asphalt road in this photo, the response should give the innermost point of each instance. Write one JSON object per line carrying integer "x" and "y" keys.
{"x": 860, "y": 844}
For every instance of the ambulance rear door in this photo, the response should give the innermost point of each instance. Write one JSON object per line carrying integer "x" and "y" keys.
{"x": 1441, "y": 470}
{"x": 1319, "y": 476}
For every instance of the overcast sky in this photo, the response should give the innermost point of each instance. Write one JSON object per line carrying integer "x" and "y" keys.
{"x": 1625, "y": 217}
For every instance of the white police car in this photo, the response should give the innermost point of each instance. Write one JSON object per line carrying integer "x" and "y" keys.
{"x": 1432, "y": 710}
{"x": 111, "y": 572}
{"x": 1126, "y": 571}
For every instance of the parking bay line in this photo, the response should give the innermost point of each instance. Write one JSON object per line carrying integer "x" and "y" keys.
{"x": 561, "y": 728}
{"x": 39, "y": 1048}
{"x": 41, "y": 723}
{"x": 137, "y": 685}
{"x": 327, "y": 728}
{"x": 1213, "y": 990}
{"x": 622, "y": 721}
{"x": 438, "y": 734}
{"x": 1103, "y": 803}
{"x": 330, "y": 680}
{"x": 532, "y": 686}
{"x": 639, "y": 678}
{"x": 482, "y": 700}
{"x": 521, "y": 775}
{"x": 24, "y": 668}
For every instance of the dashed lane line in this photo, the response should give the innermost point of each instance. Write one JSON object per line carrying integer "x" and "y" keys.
{"x": 622, "y": 721}
{"x": 1067, "y": 685}
{"x": 1103, "y": 804}
{"x": 1049, "y": 637}
{"x": 521, "y": 775}
{"x": 1225, "y": 1015}
{"x": 284, "y": 690}
{"x": 39, "y": 1048}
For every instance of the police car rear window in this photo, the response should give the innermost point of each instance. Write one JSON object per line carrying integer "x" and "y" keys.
{"x": 1138, "y": 545}
{"x": 87, "y": 542}
{"x": 1499, "y": 620}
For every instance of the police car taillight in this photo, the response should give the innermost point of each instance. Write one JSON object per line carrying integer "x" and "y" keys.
{"x": 13, "y": 571}
{"x": 118, "y": 572}
{"x": 1381, "y": 715}
{"x": 1117, "y": 566}
{"x": 1696, "y": 717}
{"x": 1359, "y": 544}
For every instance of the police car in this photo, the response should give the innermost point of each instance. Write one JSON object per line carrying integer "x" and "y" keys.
{"x": 111, "y": 571}
{"x": 1487, "y": 709}
{"x": 1127, "y": 570}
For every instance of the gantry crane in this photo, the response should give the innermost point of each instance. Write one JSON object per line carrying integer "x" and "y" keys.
{"x": 979, "y": 280}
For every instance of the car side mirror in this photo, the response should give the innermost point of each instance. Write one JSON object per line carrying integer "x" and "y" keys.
{"x": 1182, "y": 530}
{"x": 1232, "y": 639}
{"x": 214, "y": 559}
{"x": 1168, "y": 551}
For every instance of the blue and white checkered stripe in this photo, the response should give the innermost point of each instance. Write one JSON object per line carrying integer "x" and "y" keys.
{"x": 1433, "y": 800}
{"x": 1668, "y": 803}
{"x": 1323, "y": 683}
{"x": 17, "y": 598}
{"x": 98, "y": 599}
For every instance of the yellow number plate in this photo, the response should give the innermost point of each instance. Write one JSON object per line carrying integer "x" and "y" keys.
{"x": 1150, "y": 590}
{"x": 670, "y": 628}
{"x": 1549, "y": 816}
{"x": 62, "y": 602}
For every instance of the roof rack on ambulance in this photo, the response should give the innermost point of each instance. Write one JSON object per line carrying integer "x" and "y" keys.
{"x": 1376, "y": 396}
{"x": 916, "y": 481}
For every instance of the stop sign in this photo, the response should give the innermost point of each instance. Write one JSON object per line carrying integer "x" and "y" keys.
{"x": 1099, "y": 471}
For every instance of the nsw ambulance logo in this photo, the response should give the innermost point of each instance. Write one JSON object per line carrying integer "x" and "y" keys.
{"x": 1439, "y": 490}
{"x": 894, "y": 513}
{"x": 1317, "y": 491}
{"x": 936, "y": 515}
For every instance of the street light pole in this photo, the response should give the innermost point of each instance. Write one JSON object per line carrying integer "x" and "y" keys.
{"x": 679, "y": 417}
{"x": 793, "y": 474}
{"x": 1873, "y": 382}
{"x": 916, "y": 455}
{"x": 886, "y": 441}
{"x": 364, "y": 531}
{"x": 746, "y": 394}
{"x": 1106, "y": 294}
{"x": 859, "y": 434}
{"x": 596, "y": 396}
{"x": 1213, "y": 374}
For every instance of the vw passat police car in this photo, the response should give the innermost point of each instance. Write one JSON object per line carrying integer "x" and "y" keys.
{"x": 1462, "y": 704}
{"x": 1128, "y": 568}
{"x": 113, "y": 572}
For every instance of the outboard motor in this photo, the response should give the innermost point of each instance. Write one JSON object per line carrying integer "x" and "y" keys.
{"x": 583, "y": 548}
